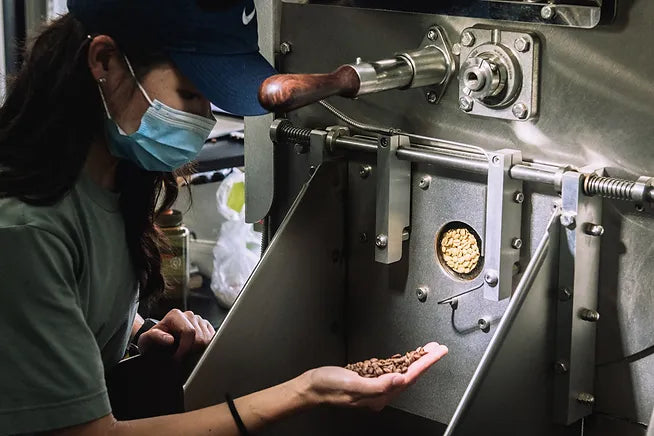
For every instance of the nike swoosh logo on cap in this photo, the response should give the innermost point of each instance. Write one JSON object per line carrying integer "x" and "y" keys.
{"x": 248, "y": 17}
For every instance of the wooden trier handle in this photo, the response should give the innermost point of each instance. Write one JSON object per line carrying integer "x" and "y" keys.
{"x": 285, "y": 92}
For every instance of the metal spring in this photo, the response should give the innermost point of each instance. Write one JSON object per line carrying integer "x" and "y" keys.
{"x": 294, "y": 135}
{"x": 609, "y": 187}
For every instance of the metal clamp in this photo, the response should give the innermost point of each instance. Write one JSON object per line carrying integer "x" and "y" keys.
{"x": 393, "y": 199}
{"x": 577, "y": 302}
{"x": 503, "y": 225}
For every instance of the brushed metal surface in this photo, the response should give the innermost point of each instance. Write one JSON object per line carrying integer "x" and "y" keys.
{"x": 289, "y": 317}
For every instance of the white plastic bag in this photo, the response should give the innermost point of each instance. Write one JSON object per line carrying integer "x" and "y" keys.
{"x": 238, "y": 247}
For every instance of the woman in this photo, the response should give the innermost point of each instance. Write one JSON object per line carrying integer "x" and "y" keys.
{"x": 109, "y": 102}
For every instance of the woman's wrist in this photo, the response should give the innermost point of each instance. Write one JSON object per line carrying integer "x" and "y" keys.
{"x": 305, "y": 391}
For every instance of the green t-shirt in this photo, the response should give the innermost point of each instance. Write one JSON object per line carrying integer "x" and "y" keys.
{"x": 68, "y": 297}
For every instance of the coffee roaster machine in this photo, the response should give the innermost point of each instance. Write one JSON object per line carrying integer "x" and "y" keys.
{"x": 529, "y": 124}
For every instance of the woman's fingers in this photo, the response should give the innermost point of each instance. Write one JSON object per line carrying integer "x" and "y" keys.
{"x": 434, "y": 353}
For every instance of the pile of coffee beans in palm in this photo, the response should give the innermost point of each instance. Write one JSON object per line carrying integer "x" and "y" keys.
{"x": 397, "y": 363}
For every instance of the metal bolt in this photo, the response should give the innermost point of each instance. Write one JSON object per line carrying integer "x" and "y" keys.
{"x": 496, "y": 160}
{"x": 516, "y": 243}
{"x": 561, "y": 367}
{"x": 520, "y": 111}
{"x": 522, "y": 44}
{"x": 432, "y": 98}
{"x": 285, "y": 48}
{"x": 301, "y": 148}
{"x": 424, "y": 183}
{"x": 466, "y": 104}
{"x": 565, "y": 294}
{"x": 569, "y": 220}
{"x": 484, "y": 324}
{"x": 593, "y": 229}
{"x": 364, "y": 171}
{"x": 589, "y": 315}
{"x": 363, "y": 237}
{"x": 456, "y": 49}
{"x": 586, "y": 398}
{"x": 384, "y": 142}
{"x": 432, "y": 35}
{"x": 547, "y": 12}
{"x": 467, "y": 38}
{"x": 491, "y": 278}
{"x": 422, "y": 292}
{"x": 381, "y": 241}
{"x": 519, "y": 197}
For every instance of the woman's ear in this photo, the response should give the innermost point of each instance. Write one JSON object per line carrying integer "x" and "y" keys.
{"x": 103, "y": 58}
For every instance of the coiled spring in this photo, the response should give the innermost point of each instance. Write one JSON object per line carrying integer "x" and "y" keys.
{"x": 609, "y": 187}
{"x": 293, "y": 135}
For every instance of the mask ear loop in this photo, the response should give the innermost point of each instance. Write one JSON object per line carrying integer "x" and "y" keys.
{"x": 131, "y": 70}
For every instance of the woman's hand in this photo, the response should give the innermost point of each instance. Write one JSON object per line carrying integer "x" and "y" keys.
{"x": 341, "y": 387}
{"x": 192, "y": 332}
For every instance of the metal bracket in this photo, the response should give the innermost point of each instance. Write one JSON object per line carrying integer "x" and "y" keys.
{"x": 393, "y": 199}
{"x": 577, "y": 303}
{"x": 499, "y": 73}
{"x": 503, "y": 225}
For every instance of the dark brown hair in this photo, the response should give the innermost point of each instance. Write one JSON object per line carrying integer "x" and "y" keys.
{"x": 51, "y": 116}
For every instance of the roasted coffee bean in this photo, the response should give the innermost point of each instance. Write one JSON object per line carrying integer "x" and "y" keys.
{"x": 398, "y": 363}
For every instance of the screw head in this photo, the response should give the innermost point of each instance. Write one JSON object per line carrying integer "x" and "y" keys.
{"x": 432, "y": 35}
{"x": 496, "y": 160}
{"x": 520, "y": 111}
{"x": 565, "y": 294}
{"x": 467, "y": 38}
{"x": 432, "y": 98}
{"x": 363, "y": 237}
{"x": 422, "y": 292}
{"x": 561, "y": 367}
{"x": 516, "y": 243}
{"x": 519, "y": 197}
{"x": 301, "y": 148}
{"x": 491, "y": 278}
{"x": 381, "y": 241}
{"x": 568, "y": 220}
{"x": 424, "y": 183}
{"x": 586, "y": 398}
{"x": 594, "y": 229}
{"x": 522, "y": 44}
{"x": 484, "y": 324}
{"x": 547, "y": 12}
{"x": 364, "y": 171}
{"x": 384, "y": 142}
{"x": 466, "y": 104}
{"x": 285, "y": 48}
{"x": 589, "y": 315}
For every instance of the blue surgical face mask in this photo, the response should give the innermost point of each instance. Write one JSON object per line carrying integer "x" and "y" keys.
{"x": 166, "y": 139}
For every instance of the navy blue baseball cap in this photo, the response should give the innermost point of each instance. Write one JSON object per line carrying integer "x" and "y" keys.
{"x": 214, "y": 43}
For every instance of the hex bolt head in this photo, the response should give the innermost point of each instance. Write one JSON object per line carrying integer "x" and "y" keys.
{"x": 519, "y": 197}
{"x": 422, "y": 292}
{"x": 467, "y": 38}
{"x": 466, "y": 104}
{"x": 568, "y": 220}
{"x": 516, "y": 243}
{"x": 520, "y": 111}
{"x": 381, "y": 241}
{"x": 491, "y": 278}
{"x": 432, "y": 35}
{"x": 586, "y": 398}
{"x": 547, "y": 12}
{"x": 589, "y": 315}
{"x": 432, "y": 97}
{"x": 364, "y": 171}
{"x": 424, "y": 183}
{"x": 285, "y": 48}
{"x": 484, "y": 324}
{"x": 593, "y": 229}
{"x": 456, "y": 49}
{"x": 561, "y": 367}
{"x": 565, "y": 294}
{"x": 522, "y": 44}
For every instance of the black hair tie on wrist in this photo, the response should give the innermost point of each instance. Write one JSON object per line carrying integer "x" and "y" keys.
{"x": 237, "y": 418}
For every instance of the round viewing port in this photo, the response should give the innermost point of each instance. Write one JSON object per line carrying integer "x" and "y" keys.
{"x": 458, "y": 250}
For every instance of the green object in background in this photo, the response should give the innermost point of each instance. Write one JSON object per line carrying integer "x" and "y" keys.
{"x": 236, "y": 199}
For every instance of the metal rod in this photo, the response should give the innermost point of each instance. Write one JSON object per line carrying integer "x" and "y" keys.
{"x": 442, "y": 159}
{"x": 356, "y": 144}
{"x": 503, "y": 328}
{"x": 538, "y": 175}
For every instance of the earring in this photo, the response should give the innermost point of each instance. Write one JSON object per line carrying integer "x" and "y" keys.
{"x": 102, "y": 80}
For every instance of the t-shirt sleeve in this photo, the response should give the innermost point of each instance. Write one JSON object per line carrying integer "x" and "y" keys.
{"x": 51, "y": 372}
